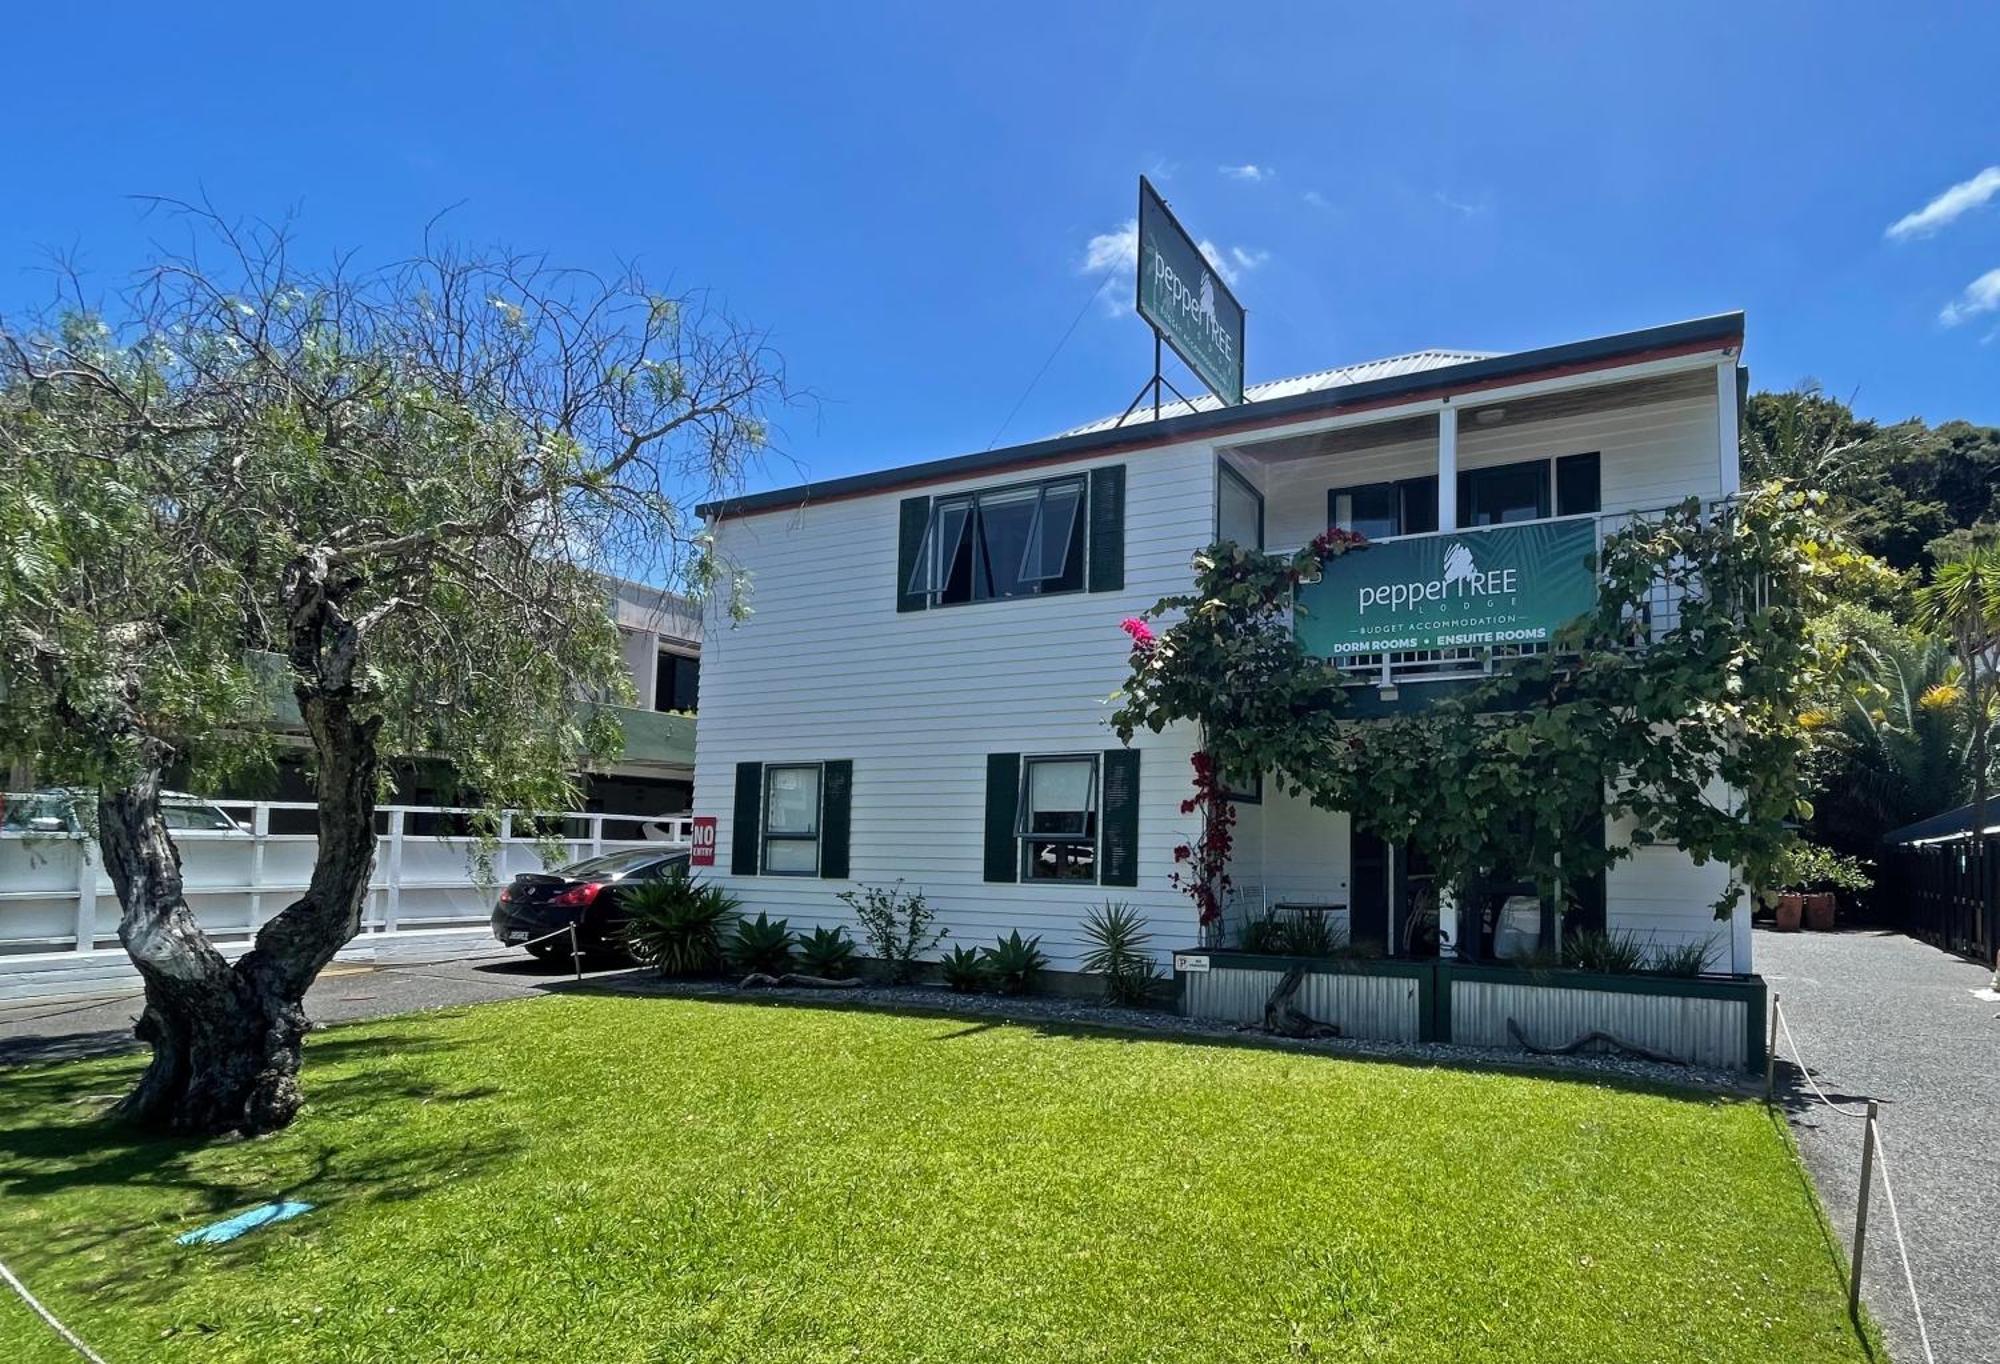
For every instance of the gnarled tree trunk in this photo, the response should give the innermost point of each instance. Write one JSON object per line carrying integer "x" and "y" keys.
{"x": 226, "y": 1038}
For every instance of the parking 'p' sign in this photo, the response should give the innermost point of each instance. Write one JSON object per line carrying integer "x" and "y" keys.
{"x": 704, "y": 842}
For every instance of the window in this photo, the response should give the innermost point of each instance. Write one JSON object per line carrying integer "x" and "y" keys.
{"x": 1578, "y": 487}
{"x": 1379, "y": 510}
{"x": 1239, "y": 510}
{"x": 1503, "y": 494}
{"x": 1003, "y": 542}
{"x": 1058, "y": 826}
{"x": 677, "y": 685}
{"x": 791, "y": 820}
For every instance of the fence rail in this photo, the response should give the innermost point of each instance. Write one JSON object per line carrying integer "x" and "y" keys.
{"x": 432, "y": 869}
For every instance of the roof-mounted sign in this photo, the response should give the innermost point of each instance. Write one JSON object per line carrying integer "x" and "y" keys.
{"x": 1186, "y": 300}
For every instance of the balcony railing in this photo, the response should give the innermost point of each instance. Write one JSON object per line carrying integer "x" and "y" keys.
{"x": 1657, "y": 615}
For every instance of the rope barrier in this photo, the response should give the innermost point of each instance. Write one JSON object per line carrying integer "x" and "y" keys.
{"x": 69, "y": 1337}
{"x": 1903, "y": 1248}
{"x": 1874, "y": 1155}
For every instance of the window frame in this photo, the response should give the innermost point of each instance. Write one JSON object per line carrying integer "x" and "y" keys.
{"x": 1026, "y": 840}
{"x": 1228, "y": 473}
{"x": 765, "y": 834}
{"x": 1402, "y": 489}
{"x": 930, "y": 575}
{"x": 667, "y": 660}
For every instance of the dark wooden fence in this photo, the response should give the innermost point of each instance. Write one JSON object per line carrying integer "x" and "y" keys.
{"x": 1931, "y": 891}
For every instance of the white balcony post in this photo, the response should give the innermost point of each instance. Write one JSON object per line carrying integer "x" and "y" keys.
{"x": 597, "y": 835}
{"x": 1728, "y": 438}
{"x": 86, "y": 897}
{"x": 1447, "y": 508}
{"x": 393, "y": 896}
{"x": 260, "y": 833}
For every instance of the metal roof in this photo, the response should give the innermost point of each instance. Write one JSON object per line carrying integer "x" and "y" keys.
{"x": 1420, "y": 374}
{"x": 1319, "y": 381}
{"x": 1942, "y": 827}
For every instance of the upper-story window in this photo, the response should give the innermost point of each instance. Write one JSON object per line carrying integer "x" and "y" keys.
{"x": 1020, "y": 541}
{"x": 677, "y": 685}
{"x": 1500, "y": 494}
{"x": 1239, "y": 509}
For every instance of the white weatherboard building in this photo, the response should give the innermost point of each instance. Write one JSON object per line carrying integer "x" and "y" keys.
{"x": 921, "y": 692}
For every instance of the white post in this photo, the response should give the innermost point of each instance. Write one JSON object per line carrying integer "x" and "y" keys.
{"x": 86, "y": 897}
{"x": 260, "y": 833}
{"x": 506, "y": 869}
{"x": 597, "y": 835}
{"x": 1447, "y": 467}
{"x": 394, "y": 895}
{"x": 1727, "y": 436}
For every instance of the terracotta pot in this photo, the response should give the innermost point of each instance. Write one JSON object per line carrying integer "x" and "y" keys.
{"x": 1791, "y": 905}
{"x": 1820, "y": 912}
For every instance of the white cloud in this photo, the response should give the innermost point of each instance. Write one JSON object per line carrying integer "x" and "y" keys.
{"x": 1458, "y": 206}
{"x": 1948, "y": 207}
{"x": 1314, "y": 199}
{"x": 1118, "y": 250}
{"x": 1250, "y": 172}
{"x": 1113, "y": 250}
{"x": 1980, "y": 296}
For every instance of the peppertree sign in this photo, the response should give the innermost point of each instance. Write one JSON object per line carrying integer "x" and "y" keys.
{"x": 1186, "y": 300}
{"x": 1493, "y": 585}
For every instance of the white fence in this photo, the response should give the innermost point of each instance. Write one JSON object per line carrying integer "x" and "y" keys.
{"x": 429, "y": 871}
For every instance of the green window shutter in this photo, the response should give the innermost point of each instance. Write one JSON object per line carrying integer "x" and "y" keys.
{"x": 836, "y": 806}
{"x": 1003, "y": 797}
{"x": 749, "y": 815}
{"x": 914, "y": 520}
{"x": 1120, "y": 861}
{"x": 1107, "y": 529}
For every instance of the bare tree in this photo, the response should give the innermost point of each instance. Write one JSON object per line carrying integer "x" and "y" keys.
{"x": 403, "y": 484}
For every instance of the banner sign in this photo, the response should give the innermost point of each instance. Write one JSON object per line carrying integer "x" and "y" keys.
{"x": 1186, "y": 300}
{"x": 704, "y": 842}
{"x": 1494, "y": 585}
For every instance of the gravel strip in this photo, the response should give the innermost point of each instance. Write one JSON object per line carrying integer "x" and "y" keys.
{"x": 1084, "y": 1013}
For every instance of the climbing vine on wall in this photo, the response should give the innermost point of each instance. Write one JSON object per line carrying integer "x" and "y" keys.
{"x": 1685, "y": 730}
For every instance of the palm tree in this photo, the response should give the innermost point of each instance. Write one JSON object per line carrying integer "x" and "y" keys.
{"x": 1961, "y": 603}
{"x": 1903, "y": 745}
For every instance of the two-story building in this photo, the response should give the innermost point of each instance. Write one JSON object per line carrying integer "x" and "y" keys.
{"x": 921, "y": 693}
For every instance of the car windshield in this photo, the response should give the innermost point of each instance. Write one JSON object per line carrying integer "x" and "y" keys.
{"x": 183, "y": 818}
{"x": 611, "y": 865}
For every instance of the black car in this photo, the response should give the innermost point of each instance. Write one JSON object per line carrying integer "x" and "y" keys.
{"x": 585, "y": 894}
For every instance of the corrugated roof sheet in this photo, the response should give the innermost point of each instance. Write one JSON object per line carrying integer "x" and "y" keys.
{"x": 1391, "y": 367}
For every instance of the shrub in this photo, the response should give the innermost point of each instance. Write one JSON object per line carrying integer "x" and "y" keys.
{"x": 1261, "y": 934}
{"x": 964, "y": 970}
{"x": 1808, "y": 866}
{"x": 897, "y": 925}
{"x": 761, "y": 945}
{"x": 1689, "y": 959}
{"x": 828, "y": 953}
{"x": 1118, "y": 953}
{"x": 1310, "y": 935}
{"x": 1013, "y": 963}
{"x": 676, "y": 925}
{"x": 1594, "y": 951}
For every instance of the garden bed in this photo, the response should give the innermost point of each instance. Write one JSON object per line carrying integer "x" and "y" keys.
{"x": 1709, "y": 1021}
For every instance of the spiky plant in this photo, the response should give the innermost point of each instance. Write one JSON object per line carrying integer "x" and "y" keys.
{"x": 676, "y": 925}
{"x": 828, "y": 953}
{"x": 762, "y": 944}
{"x": 1118, "y": 952}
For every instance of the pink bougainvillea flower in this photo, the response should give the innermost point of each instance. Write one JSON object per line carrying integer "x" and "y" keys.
{"x": 1142, "y": 634}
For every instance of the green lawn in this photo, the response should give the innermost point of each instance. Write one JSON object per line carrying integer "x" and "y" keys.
{"x": 617, "y": 1179}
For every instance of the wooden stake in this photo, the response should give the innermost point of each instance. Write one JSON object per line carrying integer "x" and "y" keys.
{"x": 1861, "y": 1211}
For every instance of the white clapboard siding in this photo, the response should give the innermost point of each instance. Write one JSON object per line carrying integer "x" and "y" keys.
{"x": 825, "y": 668}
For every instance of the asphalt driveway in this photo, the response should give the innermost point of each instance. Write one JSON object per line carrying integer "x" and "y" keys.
{"x": 1878, "y": 1015}
{"x": 60, "y": 1030}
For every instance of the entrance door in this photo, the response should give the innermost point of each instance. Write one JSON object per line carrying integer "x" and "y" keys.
{"x": 1368, "y": 888}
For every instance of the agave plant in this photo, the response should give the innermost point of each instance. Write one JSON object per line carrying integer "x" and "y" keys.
{"x": 828, "y": 954}
{"x": 1014, "y": 962}
{"x": 761, "y": 944}
{"x": 964, "y": 970}
{"x": 676, "y": 925}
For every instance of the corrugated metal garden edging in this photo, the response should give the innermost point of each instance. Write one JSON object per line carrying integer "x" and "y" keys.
{"x": 1715, "y": 1021}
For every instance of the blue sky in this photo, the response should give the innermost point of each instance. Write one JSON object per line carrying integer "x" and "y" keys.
{"x": 907, "y": 196}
